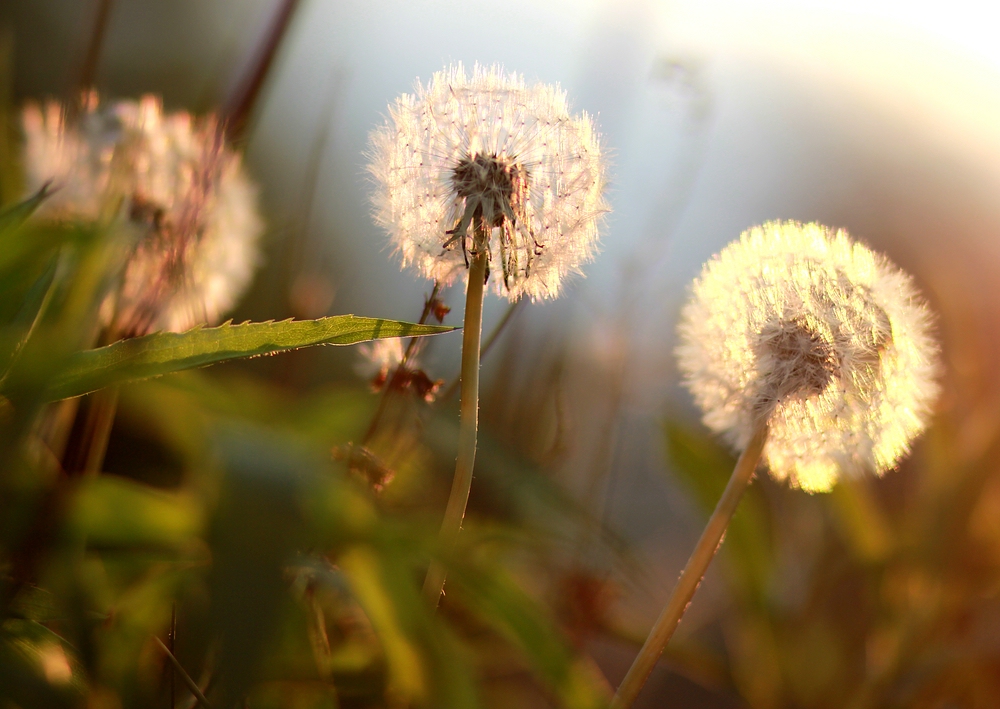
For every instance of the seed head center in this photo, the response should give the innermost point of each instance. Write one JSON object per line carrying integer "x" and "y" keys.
{"x": 491, "y": 182}
{"x": 794, "y": 360}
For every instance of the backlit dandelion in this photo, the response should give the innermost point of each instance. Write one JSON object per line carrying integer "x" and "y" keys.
{"x": 486, "y": 175}
{"x": 807, "y": 350}
{"x": 489, "y": 163}
{"x": 827, "y": 340}
{"x": 170, "y": 180}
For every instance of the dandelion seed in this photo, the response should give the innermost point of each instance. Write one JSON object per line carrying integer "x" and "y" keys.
{"x": 486, "y": 162}
{"x": 172, "y": 182}
{"x": 829, "y": 341}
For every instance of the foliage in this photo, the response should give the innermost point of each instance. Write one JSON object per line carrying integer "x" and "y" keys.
{"x": 234, "y": 554}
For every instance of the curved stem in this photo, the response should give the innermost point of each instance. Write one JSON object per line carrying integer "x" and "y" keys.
{"x": 454, "y": 513}
{"x": 701, "y": 557}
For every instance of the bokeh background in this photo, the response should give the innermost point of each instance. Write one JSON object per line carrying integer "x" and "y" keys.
{"x": 879, "y": 117}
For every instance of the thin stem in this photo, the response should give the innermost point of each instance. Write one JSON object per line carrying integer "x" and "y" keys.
{"x": 172, "y": 639}
{"x": 488, "y": 345}
{"x": 105, "y": 409}
{"x": 454, "y": 513}
{"x": 243, "y": 96}
{"x": 704, "y": 551}
{"x": 57, "y": 425}
{"x": 90, "y": 61}
{"x": 191, "y": 685}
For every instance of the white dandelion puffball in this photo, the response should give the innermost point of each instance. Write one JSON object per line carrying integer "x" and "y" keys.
{"x": 485, "y": 161}
{"x": 170, "y": 180}
{"x": 827, "y": 340}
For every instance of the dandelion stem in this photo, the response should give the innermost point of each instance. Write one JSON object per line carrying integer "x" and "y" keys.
{"x": 488, "y": 345}
{"x": 454, "y": 513}
{"x": 697, "y": 565}
{"x": 105, "y": 408}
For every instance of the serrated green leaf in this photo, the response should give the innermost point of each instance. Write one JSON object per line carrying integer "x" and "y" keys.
{"x": 166, "y": 352}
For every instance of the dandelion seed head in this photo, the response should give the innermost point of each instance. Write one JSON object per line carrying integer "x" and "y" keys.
{"x": 828, "y": 340}
{"x": 491, "y": 151}
{"x": 170, "y": 179}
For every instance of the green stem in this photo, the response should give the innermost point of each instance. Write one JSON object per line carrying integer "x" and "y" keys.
{"x": 191, "y": 685}
{"x": 454, "y": 513}
{"x": 488, "y": 345}
{"x": 704, "y": 551}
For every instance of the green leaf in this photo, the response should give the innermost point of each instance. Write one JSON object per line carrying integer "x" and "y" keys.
{"x": 495, "y": 597}
{"x": 116, "y": 513}
{"x": 407, "y": 674}
{"x": 15, "y": 333}
{"x": 23, "y": 240}
{"x": 15, "y": 215}
{"x": 255, "y": 531}
{"x": 166, "y": 352}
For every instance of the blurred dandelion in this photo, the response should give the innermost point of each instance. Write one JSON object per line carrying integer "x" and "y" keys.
{"x": 171, "y": 181}
{"x": 487, "y": 163}
{"x": 808, "y": 350}
{"x": 827, "y": 340}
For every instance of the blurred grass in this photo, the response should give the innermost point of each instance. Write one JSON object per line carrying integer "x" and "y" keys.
{"x": 880, "y": 594}
{"x": 232, "y": 538}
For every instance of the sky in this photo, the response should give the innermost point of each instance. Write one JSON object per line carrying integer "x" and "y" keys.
{"x": 715, "y": 116}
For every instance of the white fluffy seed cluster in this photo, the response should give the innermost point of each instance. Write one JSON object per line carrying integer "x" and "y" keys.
{"x": 489, "y": 149}
{"x": 172, "y": 181}
{"x": 827, "y": 339}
